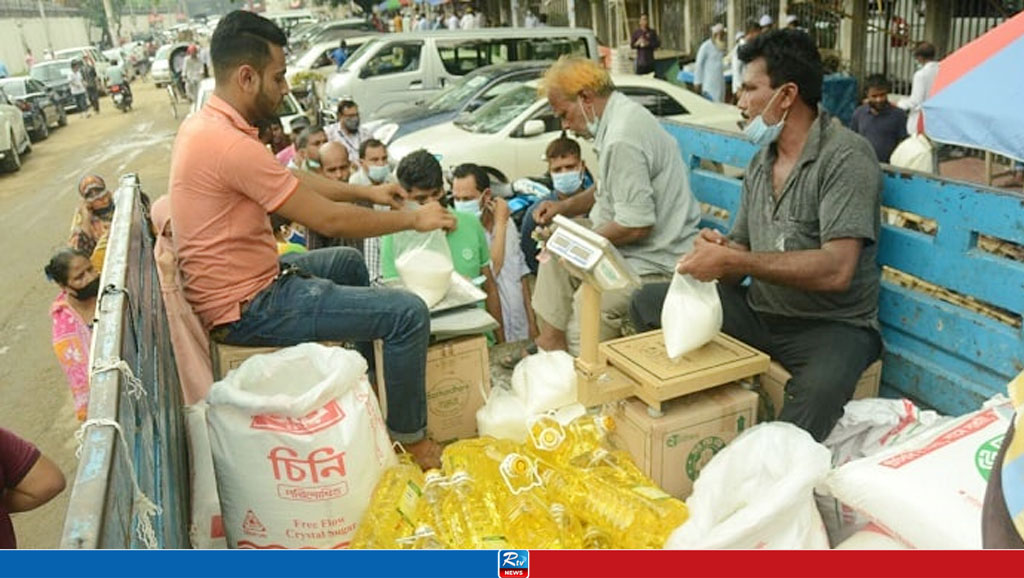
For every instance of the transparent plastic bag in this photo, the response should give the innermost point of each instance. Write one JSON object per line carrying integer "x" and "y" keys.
{"x": 424, "y": 263}
{"x": 691, "y": 315}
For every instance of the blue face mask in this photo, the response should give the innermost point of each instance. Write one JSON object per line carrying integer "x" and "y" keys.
{"x": 297, "y": 238}
{"x": 379, "y": 173}
{"x": 759, "y": 132}
{"x": 568, "y": 182}
{"x": 470, "y": 206}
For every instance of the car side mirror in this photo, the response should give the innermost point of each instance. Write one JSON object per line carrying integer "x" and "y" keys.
{"x": 475, "y": 104}
{"x": 533, "y": 127}
{"x": 364, "y": 73}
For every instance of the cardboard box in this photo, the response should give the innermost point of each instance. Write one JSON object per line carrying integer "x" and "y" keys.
{"x": 228, "y": 357}
{"x": 773, "y": 385}
{"x": 673, "y": 449}
{"x": 458, "y": 379}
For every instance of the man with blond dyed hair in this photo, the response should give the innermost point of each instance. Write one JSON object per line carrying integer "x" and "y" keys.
{"x": 643, "y": 203}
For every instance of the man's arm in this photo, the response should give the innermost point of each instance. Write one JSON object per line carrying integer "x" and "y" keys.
{"x": 619, "y": 235}
{"x": 574, "y": 206}
{"x": 829, "y": 269}
{"x": 392, "y": 194}
{"x": 493, "y": 302}
{"x": 40, "y": 485}
{"x": 351, "y": 221}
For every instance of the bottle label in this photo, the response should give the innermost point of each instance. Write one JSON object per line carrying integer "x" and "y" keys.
{"x": 651, "y": 493}
{"x": 407, "y": 503}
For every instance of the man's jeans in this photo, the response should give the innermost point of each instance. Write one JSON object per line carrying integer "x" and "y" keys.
{"x": 825, "y": 358}
{"x": 328, "y": 299}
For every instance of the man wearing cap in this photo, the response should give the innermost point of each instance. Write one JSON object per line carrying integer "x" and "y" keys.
{"x": 645, "y": 41}
{"x": 766, "y": 22}
{"x": 91, "y": 222}
{"x": 709, "y": 76}
{"x": 751, "y": 30}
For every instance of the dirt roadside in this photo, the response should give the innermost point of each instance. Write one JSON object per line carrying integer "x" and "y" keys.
{"x": 36, "y": 206}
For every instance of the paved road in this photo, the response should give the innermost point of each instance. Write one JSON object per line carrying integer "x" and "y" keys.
{"x": 36, "y": 205}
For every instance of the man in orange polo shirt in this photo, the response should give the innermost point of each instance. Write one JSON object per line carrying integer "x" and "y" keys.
{"x": 224, "y": 183}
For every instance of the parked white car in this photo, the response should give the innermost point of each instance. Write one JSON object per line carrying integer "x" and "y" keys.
{"x": 97, "y": 57}
{"x": 289, "y": 111}
{"x": 318, "y": 59}
{"x": 512, "y": 131}
{"x": 14, "y": 138}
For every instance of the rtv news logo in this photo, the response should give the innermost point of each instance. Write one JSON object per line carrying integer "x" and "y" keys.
{"x": 513, "y": 563}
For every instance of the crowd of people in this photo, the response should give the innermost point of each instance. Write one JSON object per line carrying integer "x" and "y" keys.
{"x": 280, "y": 239}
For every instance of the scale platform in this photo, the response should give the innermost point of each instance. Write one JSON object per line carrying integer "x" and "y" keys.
{"x": 654, "y": 378}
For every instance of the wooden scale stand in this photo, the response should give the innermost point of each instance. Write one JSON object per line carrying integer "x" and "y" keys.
{"x": 637, "y": 365}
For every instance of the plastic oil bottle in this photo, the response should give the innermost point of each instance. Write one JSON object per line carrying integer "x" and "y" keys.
{"x": 569, "y": 527}
{"x": 475, "y": 518}
{"x": 618, "y": 468}
{"x": 528, "y": 520}
{"x": 392, "y": 512}
{"x": 431, "y": 515}
{"x": 565, "y": 444}
{"x": 478, "y": 457}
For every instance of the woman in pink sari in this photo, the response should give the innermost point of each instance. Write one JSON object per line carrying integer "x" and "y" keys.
{"x": 72, "y": 312}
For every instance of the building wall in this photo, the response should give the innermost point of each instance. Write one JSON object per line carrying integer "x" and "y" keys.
{"x": 19, "y": 34}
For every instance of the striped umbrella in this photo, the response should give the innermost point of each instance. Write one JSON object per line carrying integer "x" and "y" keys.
{"x": 976, "y": 98}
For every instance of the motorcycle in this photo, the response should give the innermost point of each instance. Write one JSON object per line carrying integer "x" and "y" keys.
{"x": 122, "y": 97}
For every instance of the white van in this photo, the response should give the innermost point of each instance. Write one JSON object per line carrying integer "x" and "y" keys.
{"x": 397, "y": 70}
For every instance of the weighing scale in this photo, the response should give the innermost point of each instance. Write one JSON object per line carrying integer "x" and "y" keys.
{"x": 636, "y": 365}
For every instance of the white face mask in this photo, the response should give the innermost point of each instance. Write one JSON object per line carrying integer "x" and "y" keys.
{"x": 591, "y": 124}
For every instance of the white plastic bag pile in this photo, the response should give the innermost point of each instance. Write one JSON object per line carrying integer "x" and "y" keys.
{"x": 691, "y": 315}
{"x": 758, "y": 492}
{"x": 298, "y": 446}
{"x": 928, "y": 491}
{"x": 541, "y": 383}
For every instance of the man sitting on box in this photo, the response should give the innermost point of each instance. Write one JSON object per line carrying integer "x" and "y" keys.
{"x": 805, "y": 233}
{"x": 643, "y": 204}
{"x": 224, "y": 182}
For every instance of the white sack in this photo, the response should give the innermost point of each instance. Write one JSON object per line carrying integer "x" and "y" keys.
{"x": 758, "y": 493}
{"x": 928, "y": 491}
{"x": 298, "y": 446}
{"x": 206, "y": 530}
{"x": 691, "y": 315}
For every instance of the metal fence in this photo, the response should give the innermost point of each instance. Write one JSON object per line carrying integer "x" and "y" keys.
{"x": 133, "y": 448}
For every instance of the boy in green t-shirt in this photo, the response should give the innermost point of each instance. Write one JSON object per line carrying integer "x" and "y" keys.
{"x": 420, "y": 174}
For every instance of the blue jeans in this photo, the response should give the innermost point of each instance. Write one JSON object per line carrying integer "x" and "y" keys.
{"x": 329, "y": 299}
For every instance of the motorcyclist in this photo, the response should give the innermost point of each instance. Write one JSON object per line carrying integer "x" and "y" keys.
{"x": 116, "y": 77}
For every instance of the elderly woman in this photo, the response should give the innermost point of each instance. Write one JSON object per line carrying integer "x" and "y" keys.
{"x": 72, "y": 313}
{"x": 91, "y": 223}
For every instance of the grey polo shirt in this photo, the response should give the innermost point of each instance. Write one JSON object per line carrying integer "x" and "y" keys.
{"x": 833, "y": 193}
{"x": 642, "y": 182}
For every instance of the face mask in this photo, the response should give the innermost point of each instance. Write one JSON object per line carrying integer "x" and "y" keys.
{"x": 379, "y": 173}
{"x": 351, "y": 124}
{"x": 470, "y": 206}
{"x": 759, "y": 133}
{"x": 89, "y": 291}
{"x": 568, "y": 182}
{"x": 591, "y": 124}
{"x": 296, "y": 237}
{"x": 313, "y": 165}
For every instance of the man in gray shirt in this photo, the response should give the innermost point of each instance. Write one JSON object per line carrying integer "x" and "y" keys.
{"x": 643, "y": 203}
{"x": 805, "y": 233}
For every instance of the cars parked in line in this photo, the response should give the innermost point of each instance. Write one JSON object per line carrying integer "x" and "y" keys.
{"x": 463, "y": 96}
{"x": 14, "y": 138}
{"x": 512, "y": 131}
{"x": 56, "y": 75}
{"x": 290, "y": 110}
{"x": 39, "y": 109}
{"x": 327, "y": 31}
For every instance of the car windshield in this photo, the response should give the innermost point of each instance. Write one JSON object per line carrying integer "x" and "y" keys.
{"x": 495, "y": 115}
{"x": 352, "y": 58}
{"x": 164, "y": 51}
{"x": 50, "y": 72}
{"x": 456, "y": 95}
{"x": 13, "y": 87}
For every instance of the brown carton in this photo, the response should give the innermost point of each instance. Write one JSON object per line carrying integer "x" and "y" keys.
{"x": 458, "y": 378}
{"x": 773, "y": 384}
{"x": 673, "y": 449}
